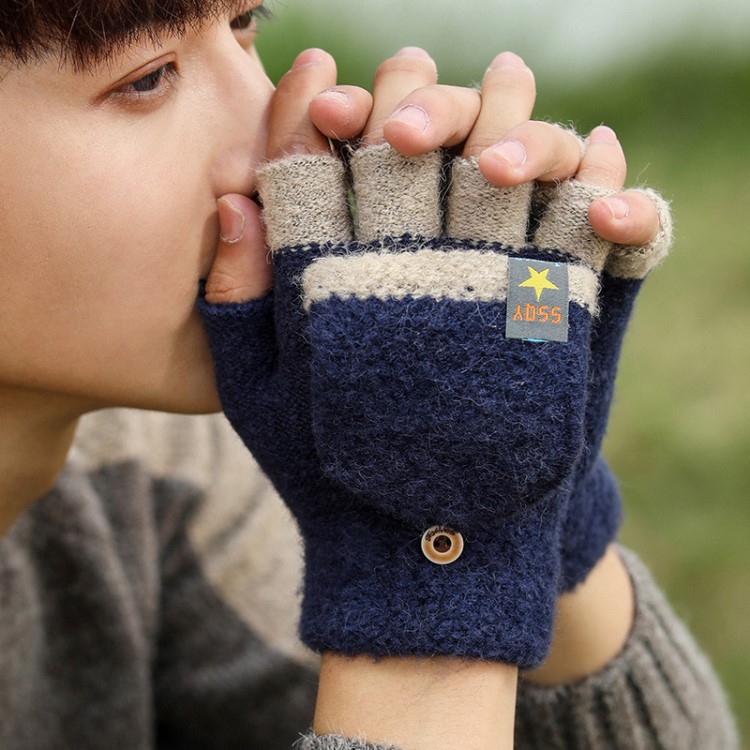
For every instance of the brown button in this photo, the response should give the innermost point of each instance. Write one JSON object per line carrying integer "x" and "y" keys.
{"x": 442, "y": 545}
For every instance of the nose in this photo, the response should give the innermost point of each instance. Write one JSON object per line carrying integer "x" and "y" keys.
{"x": 240, "y": 126}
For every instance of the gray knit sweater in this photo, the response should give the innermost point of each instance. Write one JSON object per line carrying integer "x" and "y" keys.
{"x": 149, "y": 601}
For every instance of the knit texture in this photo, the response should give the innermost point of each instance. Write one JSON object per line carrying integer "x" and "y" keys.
{"x": 660, "y": 693}
{"x": 387, "y": 402}
{"x": 118, "y": 625}
{"x": 594, "y": 511}
{"x": 336, "y": 742}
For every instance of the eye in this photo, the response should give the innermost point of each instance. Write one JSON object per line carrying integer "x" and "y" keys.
{"x": 248, "y": 20}
{"x": 243, "y": 21}
{"x": 152, "y": 81}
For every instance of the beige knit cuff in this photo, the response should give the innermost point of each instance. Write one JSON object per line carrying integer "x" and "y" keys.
{"x": 479, "y": 211}
{"x": 635, "y": 262}
{"x": 395, "y": 194}
{"x": 305, "y": 201}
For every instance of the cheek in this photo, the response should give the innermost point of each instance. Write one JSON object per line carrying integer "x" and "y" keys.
{"x": 119, "y": 237}
{"x": 101, "y": 270}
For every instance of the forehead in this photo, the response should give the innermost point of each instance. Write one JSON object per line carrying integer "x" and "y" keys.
{"x": 89, "y": 31}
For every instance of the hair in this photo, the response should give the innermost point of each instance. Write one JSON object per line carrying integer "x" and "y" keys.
{"x": 85, "y": 32}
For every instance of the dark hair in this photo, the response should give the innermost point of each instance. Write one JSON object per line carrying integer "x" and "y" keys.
{"x": 88, "y": 31}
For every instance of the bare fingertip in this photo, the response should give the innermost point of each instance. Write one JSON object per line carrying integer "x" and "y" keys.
{"x": 411, "y": 116}
{"x": 603, "y": 134}
{"x": 310, "y": 57}
{"x": 335, "y": 96}
{"x": 511, "y": 153}
{"x": 417, "y": 52}
{"x": 231, "y": 222}
{"x": 507, "y": 60}
{"x": 617, "y": 207}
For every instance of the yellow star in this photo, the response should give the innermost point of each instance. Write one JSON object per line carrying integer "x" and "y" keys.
{"x": 538, "y": 281}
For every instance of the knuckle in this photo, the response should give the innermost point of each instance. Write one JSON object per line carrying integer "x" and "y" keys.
{"x": 223, "y": 287}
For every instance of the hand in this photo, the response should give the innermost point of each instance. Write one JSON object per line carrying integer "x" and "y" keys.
{"x": 416, "y": 116}
{"x": 495, "y": 128}
{"x": 269, "y": 365}
{"x": 590, "y": 164}
{"x": 511, "y": 150}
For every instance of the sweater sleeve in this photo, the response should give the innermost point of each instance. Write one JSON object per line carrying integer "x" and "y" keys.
{"x": 227, "y": 669}
{"x": 660, "y": 693}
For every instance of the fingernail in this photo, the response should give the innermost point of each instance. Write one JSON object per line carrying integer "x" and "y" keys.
{"x": 413, "y": 52}
{"x": 603, "y": 134}
{"x": 413, "y": 116}
{"x": 309, "y": 57}
{"x": 507, "y": 60}
{"x": 512, "y": 152}
{"x": 618, "y": 207}
{"x": 231, "y": 222}
{"x": 334, "y": 95}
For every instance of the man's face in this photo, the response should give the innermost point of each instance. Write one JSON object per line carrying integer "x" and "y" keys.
{"x": 108, "y": 188}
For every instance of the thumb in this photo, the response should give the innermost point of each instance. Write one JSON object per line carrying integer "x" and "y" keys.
{"x": 241, "y": 270}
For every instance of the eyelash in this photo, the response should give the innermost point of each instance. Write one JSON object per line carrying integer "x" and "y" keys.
{"x": 245, "y": 21}
{"x": 151, "y": 83}
{"x": 157, "y": 83}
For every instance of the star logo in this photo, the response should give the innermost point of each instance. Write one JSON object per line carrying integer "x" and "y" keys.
{"x": 538, "y": 281}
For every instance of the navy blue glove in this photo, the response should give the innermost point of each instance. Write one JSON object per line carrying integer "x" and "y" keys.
{"x": 594, "y": 511}
{"x": 417, "y": 396}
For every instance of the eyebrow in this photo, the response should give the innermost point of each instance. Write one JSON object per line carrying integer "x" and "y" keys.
{"x": 88, "y": 32}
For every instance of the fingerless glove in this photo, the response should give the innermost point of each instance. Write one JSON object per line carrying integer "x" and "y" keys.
{"x": 594, "y": 511}
{"x": 416, "y": 387}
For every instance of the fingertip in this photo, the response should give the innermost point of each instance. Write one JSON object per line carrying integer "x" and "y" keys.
{"x": 603, "y": 162}
{"x": 504, "y": 167}
{"x": 625, "y": 219}
{"x": 508, "y": 60}
{"x": 617, "y": 207}
{"x": 407, "y": 130}
{"x": 603, "y": 134}
{"x": 240, "y": 270}
{"x": 231, "y": 221}
{"x": 341, "y": 112}
{"x": 311, "y": 56}
{"x": 417, "y": 52}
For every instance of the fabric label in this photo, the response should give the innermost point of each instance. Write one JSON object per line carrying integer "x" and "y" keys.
{"x": 537, "y": 300}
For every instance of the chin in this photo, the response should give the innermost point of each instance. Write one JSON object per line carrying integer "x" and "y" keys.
{"x": 182, "y": 390}
{"x": 192, "y": 395}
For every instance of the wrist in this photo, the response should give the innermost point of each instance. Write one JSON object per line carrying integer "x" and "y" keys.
{"x": 592, "y": 624}
{"x": 417, "y": 703}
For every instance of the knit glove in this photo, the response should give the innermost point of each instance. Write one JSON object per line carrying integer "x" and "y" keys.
{"x": 422, "y": 423}
{"x": 594, "y": 511}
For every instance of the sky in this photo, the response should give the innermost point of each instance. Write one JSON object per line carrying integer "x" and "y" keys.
{"x": 575, "y": 36}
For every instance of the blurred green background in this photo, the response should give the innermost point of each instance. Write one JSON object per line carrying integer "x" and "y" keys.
{"x": 673, "y": 79}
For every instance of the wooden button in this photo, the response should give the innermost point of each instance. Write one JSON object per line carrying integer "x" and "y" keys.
{"x": 442, "y": 545}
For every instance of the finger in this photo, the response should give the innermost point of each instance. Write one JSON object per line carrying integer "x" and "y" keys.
{"x": 432, "y": 117}
{"x": 628, "y": 218}
{"x": 240, "y": 270}
{"x": 508, "y": 95}
{"x": 341, "y": 113}
{"x": 409, "y": 69}
{"x": 603, "y": 163}
{"x": 290, "y": 130}
{"x": 532, "y": 151}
